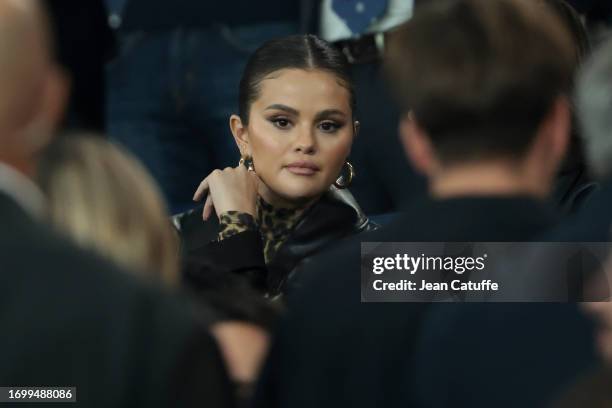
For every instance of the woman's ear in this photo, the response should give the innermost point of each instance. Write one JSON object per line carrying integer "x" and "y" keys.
{"x": 241, "y": 135}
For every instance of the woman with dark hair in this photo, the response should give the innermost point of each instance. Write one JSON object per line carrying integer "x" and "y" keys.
{"x": 287, "y": 198}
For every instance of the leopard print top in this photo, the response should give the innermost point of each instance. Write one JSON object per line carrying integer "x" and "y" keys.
{"x": 274, "y": 224}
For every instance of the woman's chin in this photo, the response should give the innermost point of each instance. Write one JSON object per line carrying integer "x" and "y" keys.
{"x": 300, "y": 194}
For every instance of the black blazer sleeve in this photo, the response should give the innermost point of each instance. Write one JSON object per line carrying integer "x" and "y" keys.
{"x": 209, "y": 263}
{"x": 240, "y": 254}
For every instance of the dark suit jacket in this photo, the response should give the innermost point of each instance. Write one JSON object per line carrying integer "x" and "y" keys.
{"x": 592, "y": 223}
{"x": 69, "y": 318}
{"x": 501, "y": 355}
{"x": 335, "y": 351}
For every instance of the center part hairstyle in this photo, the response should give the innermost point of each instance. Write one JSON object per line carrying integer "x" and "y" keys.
{"x": 480, "y": 76}
{"x": 306, "y": 52}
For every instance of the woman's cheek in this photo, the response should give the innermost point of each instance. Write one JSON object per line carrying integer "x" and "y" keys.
{"x": 266, "y": 151}
{"x": 337, "y": 153}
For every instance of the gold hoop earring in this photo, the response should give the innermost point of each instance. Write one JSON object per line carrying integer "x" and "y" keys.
{"x": 247, "y": 161}
{"x": 344, "y": 181}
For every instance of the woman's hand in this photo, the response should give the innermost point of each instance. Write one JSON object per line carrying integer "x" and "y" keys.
{"x": 231, "y": 189}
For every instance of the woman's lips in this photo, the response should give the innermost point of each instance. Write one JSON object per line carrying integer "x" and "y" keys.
{"x": 303, "y": 168}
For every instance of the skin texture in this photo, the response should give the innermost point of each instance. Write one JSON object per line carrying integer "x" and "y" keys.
{"x": 300, "y": 116}
{"x": 34, "y": 90}
{"x": 243, "y": 347}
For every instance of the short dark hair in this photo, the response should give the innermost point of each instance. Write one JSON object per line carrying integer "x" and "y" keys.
{"x": 296, "y": 51}
{"x": 481, "y": 75}
{"x": 570, "y": 17}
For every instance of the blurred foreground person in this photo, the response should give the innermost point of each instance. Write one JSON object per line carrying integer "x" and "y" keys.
{"x": 106, "y": 201}
{"x": 574, "y": 183}
{"x": 592, "y": 390}
{"x": 601, "y": 312}
{"x": 595, "y": 223}
{"x": 594, "y": 106}
{"x": 68, "y": 317}
{"x": 594, "y": 102}
{"x": 489, "y": 130}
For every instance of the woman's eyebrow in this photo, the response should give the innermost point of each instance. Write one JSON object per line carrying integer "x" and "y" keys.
{"x": 285, "y": 108}
{"x": 329, "y": 112}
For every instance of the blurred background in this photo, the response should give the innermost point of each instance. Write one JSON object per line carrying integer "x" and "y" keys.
{"x": 162, "y": 79}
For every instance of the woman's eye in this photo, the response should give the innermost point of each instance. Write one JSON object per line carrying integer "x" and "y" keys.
{"x": 329, "y": 127}
{"x": 281, "y": 123}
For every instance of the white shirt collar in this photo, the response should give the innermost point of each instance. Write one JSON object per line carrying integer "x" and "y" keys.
{"x": 23, "y": 190}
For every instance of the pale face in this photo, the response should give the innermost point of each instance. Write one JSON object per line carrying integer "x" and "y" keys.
{"x": 299, "y": 134}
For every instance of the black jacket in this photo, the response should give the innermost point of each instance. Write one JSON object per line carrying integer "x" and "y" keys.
{"x": 335, "y": 216}
{"x": 573, "y": 186}
{"x": 69, "y": 318}
{"x": 333, "y": 350}
{"x": 593, "y": 223}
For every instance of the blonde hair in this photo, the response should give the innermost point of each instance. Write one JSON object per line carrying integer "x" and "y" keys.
{"x": 105, "y": 200}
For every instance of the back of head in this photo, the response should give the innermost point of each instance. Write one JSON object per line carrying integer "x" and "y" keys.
{"x": 481, "y": 75}
{"x": 105, "y": 200}
{"x": 594, "y": 104}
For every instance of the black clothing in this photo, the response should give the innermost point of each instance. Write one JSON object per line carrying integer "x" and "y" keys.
{"x": 84, "y": 43}
{"x": 593, "y": 223}
{"x": 501, "y": 355}
{"x": 154, "y": 15}
{"x": 592, "y": 390}
{"x": 573, "y": 187}
{"x": 71, "y": 319}
{"x": 335, "y": 216}
{"x": 333, "y": 350}
{"x": 596, "y": 11}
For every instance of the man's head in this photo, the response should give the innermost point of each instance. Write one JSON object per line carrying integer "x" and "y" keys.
{"x": 594, "y": 105}
{"x": 483, "y": 81}
{"x": 33, "y": 90}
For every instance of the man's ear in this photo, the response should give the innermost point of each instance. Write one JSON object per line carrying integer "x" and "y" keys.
{"x": 561, "y": 127}
{"x": 241, "y": 135}
{"x": 53, "y": 102}
{"x": 57, "y": 94}
{"x": 417, "y": 145}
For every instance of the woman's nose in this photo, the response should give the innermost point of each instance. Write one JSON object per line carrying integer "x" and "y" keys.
{"x": 305, "y": 142}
